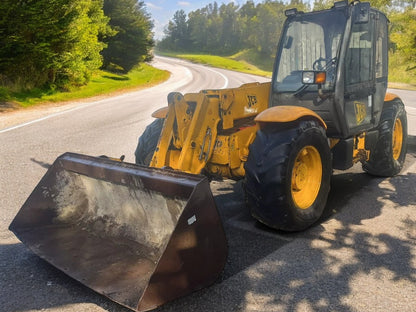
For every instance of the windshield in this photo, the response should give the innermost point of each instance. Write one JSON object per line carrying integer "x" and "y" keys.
{"x": 310, "y": 42}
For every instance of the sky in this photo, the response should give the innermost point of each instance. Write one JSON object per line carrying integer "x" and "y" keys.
{"x": 162, "y": 10}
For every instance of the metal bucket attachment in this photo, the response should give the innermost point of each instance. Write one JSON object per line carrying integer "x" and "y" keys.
{"x": 140, "y": 236}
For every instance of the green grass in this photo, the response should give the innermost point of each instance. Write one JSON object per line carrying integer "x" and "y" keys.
{"x": 106, "y": 83}
{"x": 102, "y": 83}
{"x": 401, "y": 75}
{"x": 225, "y": 62}
{"x": 263, "y": 62}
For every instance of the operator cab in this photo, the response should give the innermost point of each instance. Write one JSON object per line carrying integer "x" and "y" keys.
{"x": 334, "y": 62}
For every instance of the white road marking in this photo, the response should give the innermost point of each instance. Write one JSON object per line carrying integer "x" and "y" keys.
{"x": 222, "y": 75}
{"x": 81, "y": 106}
{"x": 177, "y": 84}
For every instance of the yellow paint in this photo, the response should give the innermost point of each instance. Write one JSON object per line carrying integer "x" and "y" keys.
{"x": 200, "y": 130}
{"x": 397, "y": 139}
{"x": 359, "y": 152}
{"x": 333, "y": 142}
{"x": 160, "y": 113}
{"x": 306, "y": 177}
{"x": 245, "y": 101}
{"x": 287, "y": 114}
{"x": 390, "y": 97}
{"x": 360, "y": 112}
{"x": 230, "y": 153}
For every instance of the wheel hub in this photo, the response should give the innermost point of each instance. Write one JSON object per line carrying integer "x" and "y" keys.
{"x": 306, "y": 177}
{"x": 397, "y": 139}
{"x": 301, "y": 177}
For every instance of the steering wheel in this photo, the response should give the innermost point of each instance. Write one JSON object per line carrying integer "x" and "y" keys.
{"x": 324, "y": 63}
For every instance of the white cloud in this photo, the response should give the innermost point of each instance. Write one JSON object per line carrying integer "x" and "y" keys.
{"x": 184, "y": 3}
{"x": 150, "y": 5}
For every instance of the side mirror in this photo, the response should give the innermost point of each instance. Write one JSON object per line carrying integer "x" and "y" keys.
{"x": 313, "y": 77}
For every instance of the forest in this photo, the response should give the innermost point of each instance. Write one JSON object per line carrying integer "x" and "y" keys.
{"x": 59, "y": 44}
{"x": 228, "y": 29}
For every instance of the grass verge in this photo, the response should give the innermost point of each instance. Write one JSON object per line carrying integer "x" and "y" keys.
{"x": 262, "y": 61}
{"x": 102, "y": 83}
{"x": 226, "y": 62}
{"x": 400, "y": 77}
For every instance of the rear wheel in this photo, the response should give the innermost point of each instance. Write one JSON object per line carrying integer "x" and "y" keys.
{"x": 388, "y": 156}
{"x": 288, "y": 173}
{"x": 148, "y": 142}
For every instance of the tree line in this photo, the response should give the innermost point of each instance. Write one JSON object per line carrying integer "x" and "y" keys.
{"x": 60, "y": 43}
{"x": 228, "y": 28}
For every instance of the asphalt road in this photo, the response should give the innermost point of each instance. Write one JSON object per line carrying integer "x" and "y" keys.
{"x": 360, "y": 257}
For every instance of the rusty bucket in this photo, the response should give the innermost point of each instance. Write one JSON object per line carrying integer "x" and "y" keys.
{"x": 140, "y": 236}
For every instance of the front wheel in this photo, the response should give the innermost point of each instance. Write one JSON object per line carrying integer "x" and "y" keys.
{"x": 288, "y": 173}
{"x": 148, "y": 142}
{"x": 388, "y": 156}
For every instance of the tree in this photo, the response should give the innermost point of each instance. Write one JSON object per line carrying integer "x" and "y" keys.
{"x": 134, "y": 38}
{"x": 50, "y": 42}
{"x": 267, "y": 27}
{"x": 405, "y": 3}
{"x": 403, "y": 34}
{"x": 81, "y": 45}
{"x": 322, "y": 4}
{"x": 229, "y": 40}
{"x": 198, "y": 29}
{"x": 179, "y": 32}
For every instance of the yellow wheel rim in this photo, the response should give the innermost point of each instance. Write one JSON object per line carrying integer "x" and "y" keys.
{"x": 397, "y": 139}
{"x": 306, "y": 177}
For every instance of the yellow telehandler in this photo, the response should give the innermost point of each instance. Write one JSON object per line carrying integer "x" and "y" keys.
{"x": 146, "y": 233}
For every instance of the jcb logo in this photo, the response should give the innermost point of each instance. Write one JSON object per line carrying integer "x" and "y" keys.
{"x": 360, "y": 112}
{"x": 252, "y": 100}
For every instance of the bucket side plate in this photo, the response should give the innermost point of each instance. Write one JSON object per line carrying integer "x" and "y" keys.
{"x": 108, "y": 224}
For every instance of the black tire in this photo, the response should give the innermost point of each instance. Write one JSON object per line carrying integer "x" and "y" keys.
{"x": 148, "y": 142}
{"x": 270, "y": 190}
{"x": 388, "y": 156}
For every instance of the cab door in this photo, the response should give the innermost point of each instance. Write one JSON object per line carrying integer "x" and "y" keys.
{"x": 360, "y": 85}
